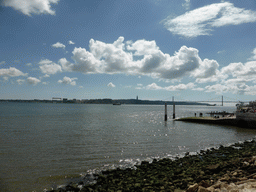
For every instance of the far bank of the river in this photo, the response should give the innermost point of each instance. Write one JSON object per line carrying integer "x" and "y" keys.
{"x": 206, "y": 169}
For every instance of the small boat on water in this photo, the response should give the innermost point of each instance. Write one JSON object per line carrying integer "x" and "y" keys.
{"x": 116, "y": 103}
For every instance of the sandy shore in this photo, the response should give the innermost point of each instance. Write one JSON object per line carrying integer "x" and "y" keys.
{"x": 229, "y": 168}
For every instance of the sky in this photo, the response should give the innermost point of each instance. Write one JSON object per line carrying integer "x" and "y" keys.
{"x": 155, "y": 49}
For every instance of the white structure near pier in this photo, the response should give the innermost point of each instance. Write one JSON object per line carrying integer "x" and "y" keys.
{"x": 246, "y": 112}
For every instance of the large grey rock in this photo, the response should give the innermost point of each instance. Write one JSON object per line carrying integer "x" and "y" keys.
{"x": 192, "y": 188}
{"x": 203, "y": 189}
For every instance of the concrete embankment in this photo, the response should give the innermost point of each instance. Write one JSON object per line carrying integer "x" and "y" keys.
{"x": 219, "y": 121}
{"x": 210, "y": 170}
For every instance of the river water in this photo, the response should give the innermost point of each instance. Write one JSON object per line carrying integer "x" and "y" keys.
{"x": 46, "y": 145}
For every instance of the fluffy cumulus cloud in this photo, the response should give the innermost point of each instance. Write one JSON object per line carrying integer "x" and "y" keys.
{"x": 29, "y": 7}
{"x": 33, "y": 80}
{"x": 203, "y": 20}
{"x": 245, "y": 71}
{"x": 111, "y": 85}
{"x": 240, "y": 88}
{"x": 144, "y": 58}
{"x": 59, "y": 45}
{"x": 49, "y": 67}
{"x": 178, "y": 87}
{"x": 68, "y": 81}
{"x": 113, "y": 58}
{"x": 236, "y": 78}
{"x": 138, "y": 58}
{"x": 239, "y": 76}
{"x": 11, "y": 72}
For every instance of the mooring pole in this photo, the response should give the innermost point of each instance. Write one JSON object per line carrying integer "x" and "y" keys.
{"x": 173, "y": 107}
{"x": 165, "y": 113}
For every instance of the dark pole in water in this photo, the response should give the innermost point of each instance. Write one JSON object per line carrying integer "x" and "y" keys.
{"x": 165, "y": 114}
{"x": 173, "y": 107}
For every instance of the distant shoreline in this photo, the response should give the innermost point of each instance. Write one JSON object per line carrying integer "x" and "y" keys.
{"x": 106, "y": 101}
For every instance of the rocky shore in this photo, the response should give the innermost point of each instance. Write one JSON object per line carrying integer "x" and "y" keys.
{"x": 231, "y": 168}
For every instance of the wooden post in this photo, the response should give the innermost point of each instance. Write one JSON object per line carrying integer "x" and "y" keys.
{"x": 165, "y": 113}
{"x": 173, "y": 108}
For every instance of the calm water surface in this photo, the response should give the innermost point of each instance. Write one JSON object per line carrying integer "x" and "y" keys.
{"x": 45, "y": 145}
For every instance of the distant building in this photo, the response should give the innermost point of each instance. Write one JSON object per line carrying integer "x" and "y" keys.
{"x": 137, "y": 98}
{"x": 56, "y": 99}
{"x": 65, "y": 100}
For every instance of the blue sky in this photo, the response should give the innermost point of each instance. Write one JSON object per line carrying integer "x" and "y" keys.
{"x": 156, "y": 49}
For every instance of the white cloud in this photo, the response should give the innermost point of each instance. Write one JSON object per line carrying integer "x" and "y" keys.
{"x": 59, "y": 45}
{"x": 185, "y": 61}
{"x": 6, "y": 78}
{"x": 207, "y": 69}
{"x": 186, "y": 4}
{"x": 245, "y": 71}
{"x": 116, "y": 58}
{"x": 201, "y": 21}
{"x": 33, "y": 80}
{"x": 44, "y": 62}
{"x": 153, "y": 86}
{"x": 143, "y": 47}
{"x": 49, "y": 67}
{"x": 29, "y": 64}
{"x": 29, "y": 7}
{"x": 178, "y": 87}
{"x": 112, "y": 57}
{"x": 208, "y": 72}
{"x": 20, "y": 81}
{"x": 145, "y": 58}
{"x": 71, "y": 42}
{"x": 68, "y": 81}
{"x": 111, "y": 85}
{"x": 254, "y": 55}
{"x": 11, "y": 72}
{"x": 120, "y": 57}
{"x": 85, "y": 62}
{"x": 221, "y": 52}
{"x": 240, "y": 89}
{"x": 198, "y": 89}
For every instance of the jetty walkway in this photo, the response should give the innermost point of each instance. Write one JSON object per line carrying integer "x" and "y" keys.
{"x": 231, "y": 121}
